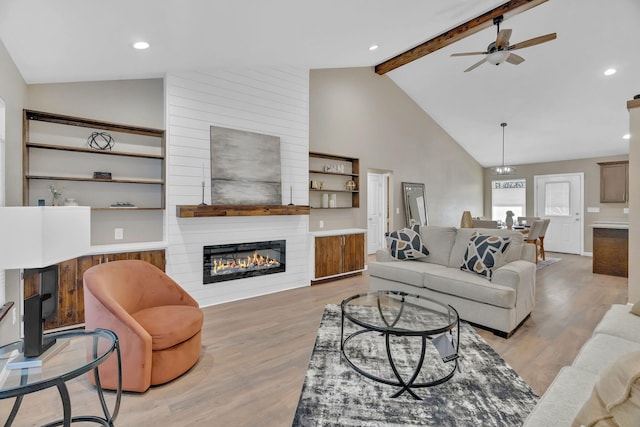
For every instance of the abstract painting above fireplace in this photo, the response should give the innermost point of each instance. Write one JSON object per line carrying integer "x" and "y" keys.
{"x": 241, "y": 260}
{"x": 245, "y": 168}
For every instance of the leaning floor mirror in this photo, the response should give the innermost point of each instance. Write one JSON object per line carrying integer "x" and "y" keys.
{"x": 415, "y": 203}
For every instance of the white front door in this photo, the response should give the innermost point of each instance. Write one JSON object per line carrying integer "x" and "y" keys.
{"x": 376, "y": 203}
{"x": 559, "y": 198}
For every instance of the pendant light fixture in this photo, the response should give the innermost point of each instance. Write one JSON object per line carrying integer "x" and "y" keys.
{"x": 503, "y": 170}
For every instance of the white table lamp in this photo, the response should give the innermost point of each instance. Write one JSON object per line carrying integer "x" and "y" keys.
{"x": 39, "y": 237}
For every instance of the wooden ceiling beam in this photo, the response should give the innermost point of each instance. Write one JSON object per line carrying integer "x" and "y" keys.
{"x": 508, "y": 9}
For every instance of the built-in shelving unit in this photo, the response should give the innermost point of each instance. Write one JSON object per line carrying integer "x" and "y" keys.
{"x": 330, "y": 176}
{"x": 56, "y": 152}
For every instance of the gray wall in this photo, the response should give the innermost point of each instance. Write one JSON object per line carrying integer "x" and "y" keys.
{"x": 133, "y": 102}
{"x": 354, "y": 112}
{"x": 591, "y": 170}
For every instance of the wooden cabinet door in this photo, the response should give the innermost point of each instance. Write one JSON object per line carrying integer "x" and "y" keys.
{"x": 353, "y": 252}
{"x": 70, "y": 296}
{"x": 328, "y": 256}
{"x": 152, "y": 257}
{"x": 613, "y": 183}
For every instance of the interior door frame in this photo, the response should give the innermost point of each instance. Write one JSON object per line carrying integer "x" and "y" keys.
{"x": 580, "y": 205}
{"x": 386, "y": 197}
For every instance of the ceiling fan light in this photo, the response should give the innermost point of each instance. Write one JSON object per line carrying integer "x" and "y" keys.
{"x": 498, "y": 57}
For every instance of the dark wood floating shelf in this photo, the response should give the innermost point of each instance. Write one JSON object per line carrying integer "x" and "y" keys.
{"x": 198, "y": 211}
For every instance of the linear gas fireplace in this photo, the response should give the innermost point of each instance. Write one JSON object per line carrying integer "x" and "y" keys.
{"x": 240, "y": 260}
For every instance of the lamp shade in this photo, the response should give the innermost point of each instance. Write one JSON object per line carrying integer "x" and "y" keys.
{"x": 39, "y": 236}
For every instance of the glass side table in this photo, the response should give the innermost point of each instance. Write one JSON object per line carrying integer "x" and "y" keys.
{"x": 75, "y": 353}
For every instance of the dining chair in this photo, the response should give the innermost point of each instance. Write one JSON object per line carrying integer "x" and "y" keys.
{"x": 541, "y": 237}
{"x": 528, "y": 219}
{"x": 534, "y": 235}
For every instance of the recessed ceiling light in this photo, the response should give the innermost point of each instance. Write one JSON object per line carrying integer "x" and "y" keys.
{"x": 373, "y": 47}
{"x": 141, "y": 45}
{"x": 627, "y": 136}
{"x": 610, "y": 72}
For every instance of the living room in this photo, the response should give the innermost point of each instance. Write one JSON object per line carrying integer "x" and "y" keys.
{"x": 346, "y": 111}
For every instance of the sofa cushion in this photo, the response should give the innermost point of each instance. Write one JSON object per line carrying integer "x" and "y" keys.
{"x": 483, "y": 253}
{"x": 601, "y": 350}
{"x": 406, "y": 244}
{"x": 439, "y": 241}
{"x": 469, "y": 286}
{"x": 160, "y": 323}
{"x": 409, "y": 272}
{"x": 618, "y": 321}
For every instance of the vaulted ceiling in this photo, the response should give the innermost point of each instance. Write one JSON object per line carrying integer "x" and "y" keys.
{"x": 557, "y": 103}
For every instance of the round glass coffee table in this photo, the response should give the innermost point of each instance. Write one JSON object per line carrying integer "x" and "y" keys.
{"x": 400, "y": 331}
{"x": 74, "y": 353}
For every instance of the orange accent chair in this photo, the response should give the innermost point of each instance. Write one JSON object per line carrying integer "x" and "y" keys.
{"x": 158, "y": 324}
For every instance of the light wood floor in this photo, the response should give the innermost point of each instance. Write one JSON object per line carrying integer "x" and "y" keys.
{"x": 255, "y": 352}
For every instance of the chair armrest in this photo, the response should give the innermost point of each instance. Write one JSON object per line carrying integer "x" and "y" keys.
{"x": 135, "y": 343}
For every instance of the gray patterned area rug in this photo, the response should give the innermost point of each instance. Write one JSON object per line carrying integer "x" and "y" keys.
{"x": 485, "y": 392}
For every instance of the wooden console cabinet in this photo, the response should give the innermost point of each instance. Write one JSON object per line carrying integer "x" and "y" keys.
{"x": 70, "y": 289}
{"x": 338, "y": 255}
{"x": 611, "y": 251}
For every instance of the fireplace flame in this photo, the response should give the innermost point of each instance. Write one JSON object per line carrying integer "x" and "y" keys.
{"x": 252, "y": 262}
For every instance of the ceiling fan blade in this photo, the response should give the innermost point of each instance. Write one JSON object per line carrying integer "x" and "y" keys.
{"x": 469, "y": 53}
{"x": 477, "y": 64}
{"x": 514, "y": 59}
{"x": 534, "y": 41}
{"x": 503, "y": 38}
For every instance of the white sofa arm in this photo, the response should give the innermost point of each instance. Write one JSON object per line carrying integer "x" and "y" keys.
{"x": 515, "y": 273}
{"x": 528, "y": 252}
{"x": 383, "y": 255}
{"x": 521, "y": 276}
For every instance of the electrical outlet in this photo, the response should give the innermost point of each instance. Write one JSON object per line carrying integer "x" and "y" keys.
{"x": 14, "y": 314}
{"x": 321, "y": 224}
{"x": 118, "y": 233}
{"x": 397, "y": 211}
{"x": 625, "y": 210}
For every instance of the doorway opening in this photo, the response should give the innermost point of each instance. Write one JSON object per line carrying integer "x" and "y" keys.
{"x": 378, "y": 209}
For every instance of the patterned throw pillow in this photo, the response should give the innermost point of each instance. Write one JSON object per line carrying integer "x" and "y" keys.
{"x": 483, "y": 252}
{"x": 406, "y": 244}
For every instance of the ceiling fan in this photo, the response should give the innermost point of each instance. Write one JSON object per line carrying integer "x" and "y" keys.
{"x": 499, "y": 51}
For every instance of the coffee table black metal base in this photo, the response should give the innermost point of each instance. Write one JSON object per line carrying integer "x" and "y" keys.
{"x": 409, "y": 384}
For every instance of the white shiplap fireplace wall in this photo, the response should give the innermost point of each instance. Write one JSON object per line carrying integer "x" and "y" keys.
{"x": 268, "y": 101}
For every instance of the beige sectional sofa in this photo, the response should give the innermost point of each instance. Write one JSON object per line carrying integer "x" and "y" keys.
{"x": 500, "y": 304}
{"x": 617, "y": 334}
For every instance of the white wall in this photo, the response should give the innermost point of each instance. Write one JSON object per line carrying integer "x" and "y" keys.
{"x": 634, "y": 202}
{"x": 268, "y": 101}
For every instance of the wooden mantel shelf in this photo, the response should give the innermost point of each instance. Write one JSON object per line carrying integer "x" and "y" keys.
{"x": 198, "y": 211}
